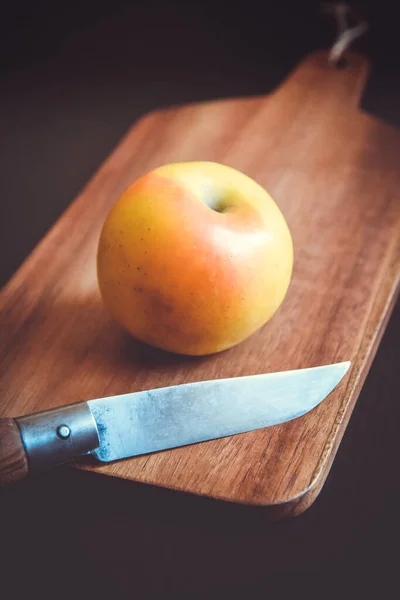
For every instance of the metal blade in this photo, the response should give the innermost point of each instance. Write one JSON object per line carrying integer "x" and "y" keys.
{"x": 149, "y": 421}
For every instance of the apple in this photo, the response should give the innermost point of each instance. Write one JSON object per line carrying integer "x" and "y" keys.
{"x": 194, "y": 257}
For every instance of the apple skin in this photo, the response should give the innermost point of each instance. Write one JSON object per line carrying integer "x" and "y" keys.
{"x": 194, "y": 257}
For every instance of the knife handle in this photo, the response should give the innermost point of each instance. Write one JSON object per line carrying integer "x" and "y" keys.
{"x": 45, "y": 439}
{"x": 13, "y": 458}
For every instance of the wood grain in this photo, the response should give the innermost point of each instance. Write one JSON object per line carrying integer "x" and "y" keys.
{"x": 13, "y": 459}
{"x": 334, "y": 173}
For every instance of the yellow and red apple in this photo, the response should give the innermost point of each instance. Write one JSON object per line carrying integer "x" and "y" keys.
{"x": 194, "y": 257}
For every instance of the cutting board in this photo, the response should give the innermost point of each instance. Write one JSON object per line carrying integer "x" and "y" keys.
{"x": 334, "y": 172}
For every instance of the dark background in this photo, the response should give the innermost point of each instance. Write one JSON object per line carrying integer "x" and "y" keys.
{"x": 74, "y": 77}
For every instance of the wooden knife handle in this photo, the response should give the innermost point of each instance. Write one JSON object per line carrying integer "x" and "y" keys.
{"x": 13, "y": 458}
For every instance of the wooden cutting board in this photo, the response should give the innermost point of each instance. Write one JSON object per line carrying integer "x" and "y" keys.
{"x": 334, "y": 172}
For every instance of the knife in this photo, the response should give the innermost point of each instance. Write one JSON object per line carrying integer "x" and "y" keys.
{"x": 123, "y": 426}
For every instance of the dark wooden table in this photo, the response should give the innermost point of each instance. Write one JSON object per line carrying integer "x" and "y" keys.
{"x": 70, "y": 87}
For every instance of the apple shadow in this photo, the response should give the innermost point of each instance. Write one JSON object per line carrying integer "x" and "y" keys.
{"x": 138, "y": 352}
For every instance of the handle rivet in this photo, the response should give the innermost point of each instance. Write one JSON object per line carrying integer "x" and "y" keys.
{"x": 63, "y": 432}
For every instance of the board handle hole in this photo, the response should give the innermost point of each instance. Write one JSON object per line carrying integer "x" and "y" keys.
{"x": 342, "y": 63}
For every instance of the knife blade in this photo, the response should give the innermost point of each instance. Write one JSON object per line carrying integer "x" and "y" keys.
{"x": 128, "y": 425}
